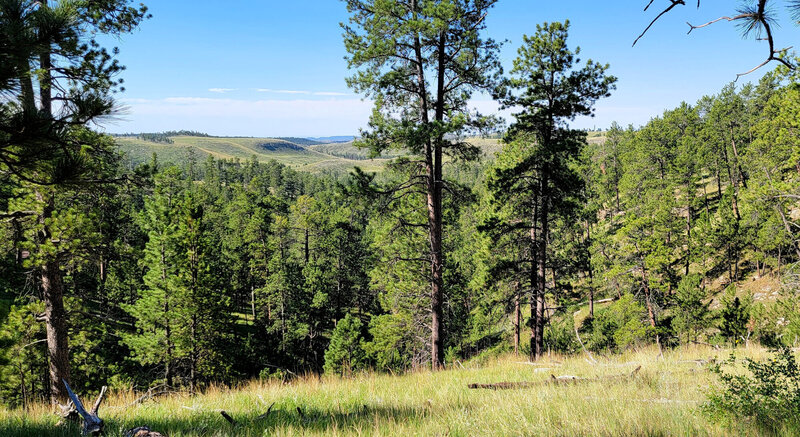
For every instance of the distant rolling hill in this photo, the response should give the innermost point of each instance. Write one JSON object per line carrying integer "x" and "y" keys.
{"x": 299, "y": 153}
{"x": 334, "y": 139}
{"x": 298, "y": 156}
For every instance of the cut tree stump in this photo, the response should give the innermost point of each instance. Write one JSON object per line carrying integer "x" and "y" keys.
{"x": 554, "y": 380}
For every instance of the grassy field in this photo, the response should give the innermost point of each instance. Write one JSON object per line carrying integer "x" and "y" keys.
{"x": 300, "y": 156}
{"x": 663, "y": 398}
{"x": 297, "y": 153}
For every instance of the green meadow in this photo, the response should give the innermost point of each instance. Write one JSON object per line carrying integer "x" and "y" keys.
{"x": 297, "y": 153}
{"x": 663, "y": 397}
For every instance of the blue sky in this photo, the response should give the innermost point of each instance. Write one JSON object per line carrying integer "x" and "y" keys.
{"x": 276, "y": 68}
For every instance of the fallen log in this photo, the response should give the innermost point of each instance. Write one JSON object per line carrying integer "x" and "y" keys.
{"x": 151, "y": 394}
{"x": 68, "y": 413}
{"x": 554, "y": 380}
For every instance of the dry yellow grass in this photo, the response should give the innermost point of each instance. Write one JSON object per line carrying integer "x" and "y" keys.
{"x": 662, "y": 399}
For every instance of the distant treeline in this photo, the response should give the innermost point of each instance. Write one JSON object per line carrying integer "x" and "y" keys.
{"x": 163, "y": 137}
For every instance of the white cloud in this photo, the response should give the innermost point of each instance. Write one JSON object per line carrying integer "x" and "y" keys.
{"x": 221, "y": 90}
{"x": 330, "y": 93}
{"x": 268, "y": 90}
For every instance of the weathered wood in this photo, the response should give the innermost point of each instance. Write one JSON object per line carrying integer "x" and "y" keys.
{"x": 92, "y": 424}
{"x": 143, "y": 431}
{"x": 265, "y": 415}
{"x": 554, "y": 380}
{"x": 151, "y": 393}
{"x": 228, "y": 417}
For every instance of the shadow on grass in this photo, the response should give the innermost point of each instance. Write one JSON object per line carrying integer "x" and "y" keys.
{"x": 211, "y": 423}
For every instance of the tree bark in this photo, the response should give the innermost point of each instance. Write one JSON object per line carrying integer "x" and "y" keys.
{"x": 533, "y": 280}
{"x": 517, "y": 317}
{"x": 55, "y": 314}
{"x": 435, "y": 221}
{"x": 541, "y": 259}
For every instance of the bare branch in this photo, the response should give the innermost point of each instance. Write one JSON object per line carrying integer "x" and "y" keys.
{"x": 738, "y": 17}
{"x": 672, "y": 5}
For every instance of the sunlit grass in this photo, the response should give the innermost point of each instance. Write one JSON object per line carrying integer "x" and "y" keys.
{"x": 662, "y": 399}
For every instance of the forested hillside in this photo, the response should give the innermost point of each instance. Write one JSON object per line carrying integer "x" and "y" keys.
{"x": 219, "y": 270}
{"x": 182, "y": 262}
{"x": 298, "y": 153}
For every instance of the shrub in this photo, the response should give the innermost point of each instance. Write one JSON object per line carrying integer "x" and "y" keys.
{"x": 559, "y": 336}
{"x": 734, "y": 316}
{"x": 391, "y": 347}
{"x": 692, "y": 315}
{"x": 345, "y": 353}
{"x": 767, "y": 393}
{"x": 619, "y": 326}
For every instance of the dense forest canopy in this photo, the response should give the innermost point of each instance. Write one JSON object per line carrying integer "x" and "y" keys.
{"x": 193, "y": 272}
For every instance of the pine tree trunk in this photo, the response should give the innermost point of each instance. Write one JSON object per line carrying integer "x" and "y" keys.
{"x": 589, "y": 272}
{"x": 651, "y": 315}
{"x": 52, "y": 282}
{"x": 437, "y": 285}
{"x": 688, "y": 228}
{"x": 56, "y": 327}
{"x": 541, "y": 260}
{"x": 534, "y": 241}
{"x": 306, "y": 248}
{"x": 167, "y": 318}
{"x": 517, "y": 318}
{"x": 55, "y": 314}
{"x": 26, "y": 87}
{"x": 738, "y": 162}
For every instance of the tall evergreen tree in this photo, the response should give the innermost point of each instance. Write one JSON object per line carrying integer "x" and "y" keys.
{"x": 50, "y": 48}
{"x": 551, "y": 89}
{"x": 156, "y": 308}
{"x": 421, "y": 60}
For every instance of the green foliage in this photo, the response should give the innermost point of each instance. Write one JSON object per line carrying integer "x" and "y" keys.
{"x": 691, "y": 312}
{"x": 768, "y": 393}
{"x": 559, "y": 335}
{"x": 183, "y": 313}
{"x": 619, "y": 326}
{"x": 345, "y": 353}
{"x": 155, "y": 137}
{"x": 39, "y": 38}
{"x": 162, "y": 275}
{"x": 391, "y": 347}
{"x": 735, "y": 317}
{"x": 23, "y": 357}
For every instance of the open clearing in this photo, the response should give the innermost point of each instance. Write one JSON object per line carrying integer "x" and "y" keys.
{"x": 663, "y": 398}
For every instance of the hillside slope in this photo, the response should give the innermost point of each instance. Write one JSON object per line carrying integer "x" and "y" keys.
{"x": 298, "y": 153}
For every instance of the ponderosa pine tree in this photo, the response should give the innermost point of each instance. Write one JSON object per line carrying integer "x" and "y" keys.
{"x": 421, "y": 60}
{"x": 550, "y": 89}
{"x": 155, "y": 310}
{"x": 50, "y": 48}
